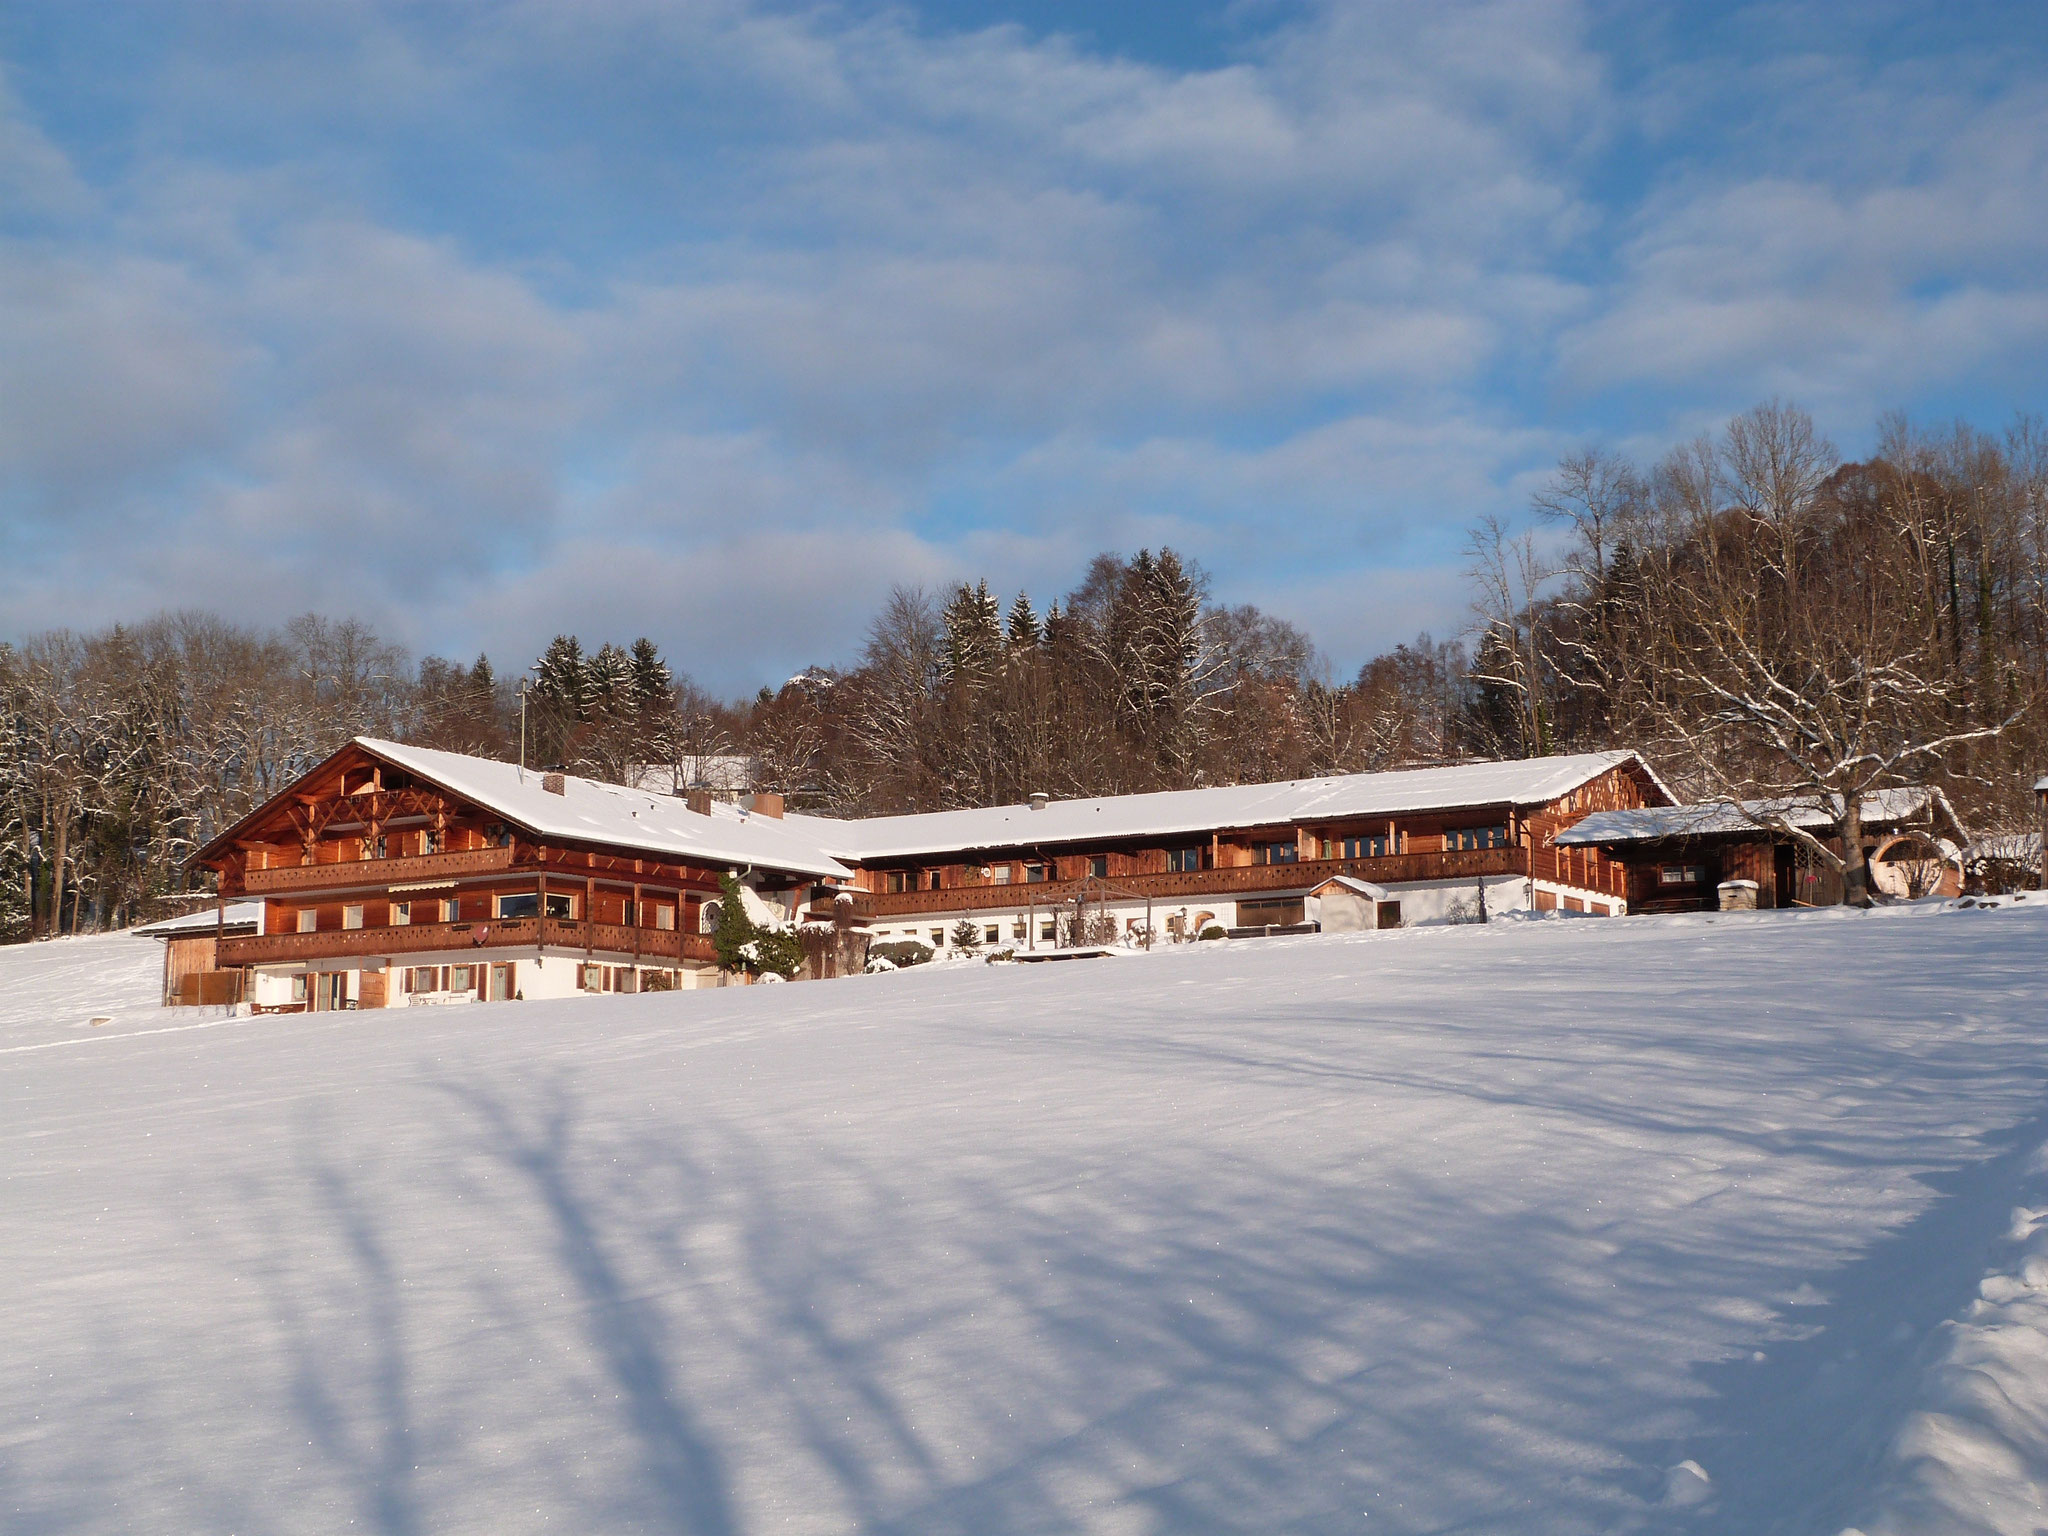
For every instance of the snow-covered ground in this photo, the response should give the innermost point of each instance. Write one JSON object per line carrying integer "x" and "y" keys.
{"x": 1667, "y": 1224}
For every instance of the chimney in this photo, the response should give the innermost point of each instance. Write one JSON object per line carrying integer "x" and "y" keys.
{"x": 1039, "y": 799}
{"x": 762, "y": 803}
{"x": 554, "y": 783}
{"x": 698, "y": 800}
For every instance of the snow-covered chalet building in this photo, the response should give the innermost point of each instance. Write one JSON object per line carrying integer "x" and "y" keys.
{"x": 392, "y": 875}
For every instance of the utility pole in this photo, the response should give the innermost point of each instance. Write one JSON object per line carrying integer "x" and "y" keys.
{"x": 522, "y": 729}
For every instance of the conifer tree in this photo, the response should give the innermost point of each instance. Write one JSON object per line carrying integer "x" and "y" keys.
{"x": 559, "y": 677}
{"x": 1025, "y": 631}
{"x": 608, "y": 680}
{"x": 652, "y": 680}
{"x": 974, "y": 635}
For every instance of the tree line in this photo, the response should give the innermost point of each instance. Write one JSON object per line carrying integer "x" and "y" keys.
{"x": 1757, "y": 615}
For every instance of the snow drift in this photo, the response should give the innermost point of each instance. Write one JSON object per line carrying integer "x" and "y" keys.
{"x": 1672, "y": 1224}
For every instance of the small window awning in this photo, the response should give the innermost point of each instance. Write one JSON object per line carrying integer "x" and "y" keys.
{"x": 424, "y": 885}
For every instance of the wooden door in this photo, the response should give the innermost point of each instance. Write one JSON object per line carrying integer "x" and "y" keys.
{"x": 372, "y": 995}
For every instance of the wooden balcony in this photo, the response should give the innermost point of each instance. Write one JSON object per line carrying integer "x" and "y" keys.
{"x": 614, "y": 941}
{"x": 361, "y": 873}
{"x": 1245, "y": 880}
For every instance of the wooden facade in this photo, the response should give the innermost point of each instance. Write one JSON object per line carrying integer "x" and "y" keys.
{"x": 365, "y": 870}
{"x": 381, "y": 885}
{"x": 1501, "y": 839}
{"x": 1684, "y": 871}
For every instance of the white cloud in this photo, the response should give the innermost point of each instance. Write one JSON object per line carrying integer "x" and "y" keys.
{"x": 712, "y": 319}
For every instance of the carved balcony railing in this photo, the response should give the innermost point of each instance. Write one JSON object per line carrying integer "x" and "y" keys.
{"x": 1196, "y": 885}
{"x": 654, "y": 946}
{"x": 349, "y": 874}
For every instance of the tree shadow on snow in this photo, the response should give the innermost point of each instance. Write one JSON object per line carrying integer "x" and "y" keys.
{"x": 1794, "y": 1441}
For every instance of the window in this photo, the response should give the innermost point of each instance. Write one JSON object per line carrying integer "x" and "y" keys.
{"x": 1275, "y": 853}
{"x": 449, "y": 912}
{"x": 401, "y": 913}
{"x": 423, "y": 978}
{"x": 352, "y": 916}
{"x": 895, "y": 882}
{"x": 665, "y": 919}
{"x": 1681, "y": 874}
{"x": 992, "y": 934}
{"x": 309, "y": 920}
{"x": 383, "y": 847}
{"x": 459, "y": 978}
{"x": 430, "y": 841}
{"x": 527, "y": 904}
{"x": 1045, "y": 933}
{"x": 590, "y": 977}
{"x": 931, "y": 880}
{"x": 1275, "y": 914}
{"x": 1001, "y": 874}
{"x": 299, "y": 988}
{"x": 938, "y": 938}
{"x": 1374, "y": 847}
{"x": 1467, "y": 839}
{"x": 1098, "y": 866}
{"x": 1184, "y": 861}
{"x": 708, "y": 915}
{"x": 1034, "y": 874}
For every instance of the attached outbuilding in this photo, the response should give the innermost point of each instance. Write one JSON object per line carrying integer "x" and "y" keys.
{"x": 192, "y": 969}
{"x": 1346, "y": 904}
{"x": 1678, "y": 857}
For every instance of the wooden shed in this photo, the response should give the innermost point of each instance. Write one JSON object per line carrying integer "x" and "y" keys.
{"x": 192, "y": 972}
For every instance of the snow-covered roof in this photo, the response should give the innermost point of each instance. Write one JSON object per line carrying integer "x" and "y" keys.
{"x": 1530, "y": 781}
{"x": 1357, "y": 887}
{"x": 1719, "y": 817}
{"x": 591, "y": 811}
{"x": 2041, "y": 785}
{"x": 2006, "y": 847}
{"x": 239, "y": 914}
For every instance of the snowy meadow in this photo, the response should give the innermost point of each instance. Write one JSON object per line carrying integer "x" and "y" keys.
{"x": 1661, "y": 1224}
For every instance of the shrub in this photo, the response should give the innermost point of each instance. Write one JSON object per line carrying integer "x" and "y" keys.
{"x": 1214, "y": 931}
{"x": 900, "y": 953}
{"x": 967, "y": 935}
{"x": 743, "y": 945}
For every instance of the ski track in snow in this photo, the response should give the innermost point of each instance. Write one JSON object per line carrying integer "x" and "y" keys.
{"x": 1658, "y": 1224}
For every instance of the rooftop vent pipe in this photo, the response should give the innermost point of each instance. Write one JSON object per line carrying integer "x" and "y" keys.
{"x": 554, "y": 783}
{"x": 1039, "y": 799}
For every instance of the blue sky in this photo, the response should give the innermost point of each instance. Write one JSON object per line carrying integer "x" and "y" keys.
{"x": 712, "y": 320}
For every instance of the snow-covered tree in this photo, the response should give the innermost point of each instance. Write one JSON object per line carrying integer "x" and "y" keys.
{"x": 652, "y": 681}
{"x": 974, "y": 636}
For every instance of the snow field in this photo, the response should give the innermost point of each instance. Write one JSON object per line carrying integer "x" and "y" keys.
{"x": 1478, "y": 1229}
